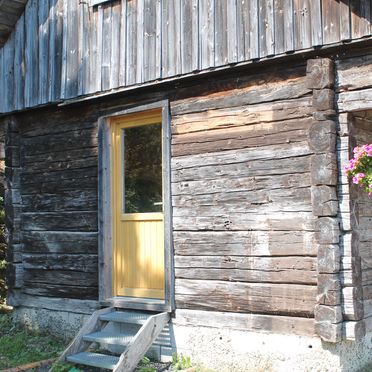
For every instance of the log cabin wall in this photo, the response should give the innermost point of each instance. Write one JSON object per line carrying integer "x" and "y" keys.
{"x": 62, "y": 49}
{"x": 353, "y": 92}
{"x": 243, "y": 222}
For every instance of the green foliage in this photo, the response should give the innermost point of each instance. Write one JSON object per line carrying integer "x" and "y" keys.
{"x": 64, "y": 367}
{"x": 144, "y": 365}
{"x": 19, "y": 346}
{"x": 180, "y": 362}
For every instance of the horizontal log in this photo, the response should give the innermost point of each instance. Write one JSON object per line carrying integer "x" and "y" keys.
{"x": 72, "y": 200}
{"x": 17, "y": 298}
{"x": 244, "y": 140}
{"x": 62, "y": 291}
{"x": 281, "y": 299}
{"x": 354, "y": 73}
{"x": 75, "y": 262}
{"x": 227, "y": 184}
{"x": 298, "y": 270}
{"x": 281, "y": 221}
{"x": 76, "y": 139}
{"x": 290, "y": 276}
{"x": 278, "y": 114}
{"x": 63, "y": 180}
{"x": 245, "y": 322}
{"x": 260, "y": 202}
{"x": 297, "y": 149}
{"x": 60, "y": 277}
{"x": 89, "y": 160}
{"x": 60, "y": 221}
{"x": 244, "y": 243}
{"x": 266, "y": 167}
{"x": 354, "y": 100}
{"x": 262, "y": 91}
{"x": 60, "y": 242}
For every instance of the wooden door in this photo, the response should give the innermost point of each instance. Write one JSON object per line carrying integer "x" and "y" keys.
{"x": 138, "y": 220}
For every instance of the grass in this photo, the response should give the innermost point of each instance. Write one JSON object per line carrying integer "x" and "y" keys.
{"x": 20, "y": 346}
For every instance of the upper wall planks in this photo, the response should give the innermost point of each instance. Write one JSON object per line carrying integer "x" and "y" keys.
{"x": 61, "y": 49}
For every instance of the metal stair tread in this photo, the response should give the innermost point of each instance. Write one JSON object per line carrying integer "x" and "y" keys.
{"x": 132, "y": 317}
{"x": 110, "y": 338}
{"x": 94, "y": 360}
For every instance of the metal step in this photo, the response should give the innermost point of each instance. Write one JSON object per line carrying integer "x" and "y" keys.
{"x": 110, "y": 338}
{"x": 132, "y": 317}
{"x": 94, "y": 360}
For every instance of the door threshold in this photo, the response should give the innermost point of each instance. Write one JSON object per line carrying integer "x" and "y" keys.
{"x": 136, "y": 303}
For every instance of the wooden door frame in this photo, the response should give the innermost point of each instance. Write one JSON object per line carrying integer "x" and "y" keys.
{"x": 105, "y": 238}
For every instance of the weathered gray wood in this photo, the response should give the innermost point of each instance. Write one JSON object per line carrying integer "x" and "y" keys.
{"x": 329, "y": 332}
{"x": 242, "y": 41}
{"x": 254, "y": 36}
{"x": 324, "y": 200}
{"x": 345, "y": 21}
{"x": 115, "y": 45}
{"x": 280, "y": 299}
{"x": 329, "y": 289}
{"x": 19, "y": 61}
{"x": 189, "y": 36}
{"x": 316, "y": 22}
{"x": 8, "y": 71}
{"x": 107, "y": 34}
{"x": 302, "y": 27}
{"x": 221, "y": 33}
{"x": 17, "y": 298}
{"x": 245, "y": 322}
{"x": 131, "y": 58}
{"x": 238, "y": 243}
{"x": 360, "y": 18}
{"x": 206, "y": 33}
{"x": 331, "y": 21}
{"x": 78, "y": 344}
{"x": 266, "y": 27}
{"x": 329, "y": 258}
{"x": 141, "y": 342}
{"x": 43, "y": 59}
{"x": 140, "y": 36}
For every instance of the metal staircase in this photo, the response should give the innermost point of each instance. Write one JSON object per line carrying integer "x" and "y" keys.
{"x": 124, "y": 337}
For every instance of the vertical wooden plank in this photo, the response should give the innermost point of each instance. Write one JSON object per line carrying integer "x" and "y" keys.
{"x": 330, "y": 21}
{"x": 140, "y": 35}
{"x": 232, "y": 52}
{"x": 266, "y": 27}
{"x": 2, "y": 81}
{"x": 19, "y": 55}
{"x": 206, "y": 34}
{"x": 242, "y": 9}
{"x": 72, "y": 70}
{"x": 221, "y": 47}
{"x": 115, "y": 45}
{"x": 254, "y": 37}
{"x": 52, "y": 49}
{"x": 9, "y": 72}
{"x": 123, "y": 42}
{"x": 64, "y": 50}
{"x": 345, "y": 20}
{"x": 171, "y": 44}
{"x": 94, "y": 82}
{"x": 316, "y": 22}
{"x": 31, "y": 57}
{"x": 288, "y": 19}
{"x": 279, "y": 26}
{"x": 83, "y": 69}
{"x": 57, "y": 56}
{"x": 131, "y": 42}
{"x": 158, "y": 57}
{"x": 302, "y": 28}
{"x": 106, "y": 46}
{"x": 189, "y": 36}
{"x": 360, "y": 18}
{"x": 43, "y": 60}
{"x": 149, "y": 40}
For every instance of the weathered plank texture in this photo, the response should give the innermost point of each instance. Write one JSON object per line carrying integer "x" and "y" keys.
{"x": 72, "y": 49}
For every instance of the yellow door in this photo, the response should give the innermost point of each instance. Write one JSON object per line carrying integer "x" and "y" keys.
{"x": 138, "y": 227}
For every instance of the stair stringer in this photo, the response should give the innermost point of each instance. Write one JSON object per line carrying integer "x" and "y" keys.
{"x": 141, "y": 342}
{"x": 78, "y": 344}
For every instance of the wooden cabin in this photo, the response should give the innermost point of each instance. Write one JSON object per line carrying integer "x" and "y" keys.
{"x": 179, "y": 165}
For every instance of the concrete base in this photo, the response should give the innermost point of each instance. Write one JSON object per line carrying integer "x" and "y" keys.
{"x": 228, "y": 350}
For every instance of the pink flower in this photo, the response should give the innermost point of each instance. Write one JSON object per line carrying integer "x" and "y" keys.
{"x": 361, "y": 175}
{"x": 355, "y": 180}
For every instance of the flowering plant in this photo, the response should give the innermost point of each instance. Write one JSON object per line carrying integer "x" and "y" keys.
{"x": 360, "y": 167}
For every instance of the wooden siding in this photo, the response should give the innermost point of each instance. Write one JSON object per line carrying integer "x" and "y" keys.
{"x": 10, "y": 11}
{"x": 62, "y": 49}
{"x": 243, "y": 226}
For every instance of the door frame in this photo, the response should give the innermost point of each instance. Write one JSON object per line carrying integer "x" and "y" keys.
{"x": 105, "y": 223}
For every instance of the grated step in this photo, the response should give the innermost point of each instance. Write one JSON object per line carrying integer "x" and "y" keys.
{"x": 132, "y": 317}
{"x": 110, "y": 338}
{"x": 94, "y": 360}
